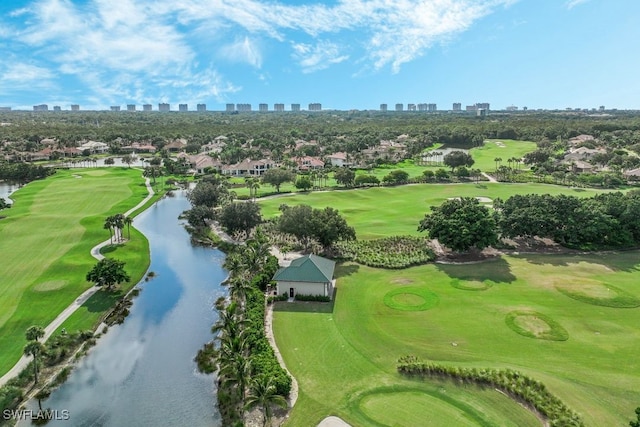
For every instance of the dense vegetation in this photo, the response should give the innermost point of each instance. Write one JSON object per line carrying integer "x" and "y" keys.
{"x": 389, "y": 252}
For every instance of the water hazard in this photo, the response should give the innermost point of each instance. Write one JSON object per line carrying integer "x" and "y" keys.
{"x": 142, "y": 373}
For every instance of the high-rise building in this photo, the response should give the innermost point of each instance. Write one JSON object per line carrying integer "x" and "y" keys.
{"x": 147, "y": 107}
{"x": 471, "y": 107}
{"x": 231, "y": 108}
{"x": 201, "y": 107}
{"x": 383, "y": 108}
{"x": 164, "y": 107}
{"x": 115, "y": 108}
{"x": 315, "y": 106}
{"x": 295, "y": 107}
{"x": 601, "y": 108}
{"x": 483, "y": 105}
{"x": 243, "y": 107}
{"x": 411, "y": 107}
{"x": 422, "y": 107}
{"x": 41, "y": 107}
{"x": 57, "y": 108}
{"x": 457, "y": 106}
{"x": 183, "y": 107}
{"x": 432, "y": 107}
{"x": 512, "y": 108}
{"x": 399, "y": 107}
{"x": 75, "y": 107}
{"x": 131, "y": 107}
{"x": 263, "y": 108}
{"x": 278, "y": 107}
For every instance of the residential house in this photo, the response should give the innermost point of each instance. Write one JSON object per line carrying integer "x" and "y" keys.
{"x": 248, "y": 168}
{"x": 94, "y": 147}
{"x": 306, "y": 163}
{"x": 176, "y": 145}
{"x": 339, "y": 159}
{"x": 307, "y": 275}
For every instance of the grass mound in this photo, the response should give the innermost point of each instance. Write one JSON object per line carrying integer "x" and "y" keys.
{"x": 394, "y": 406}
{"x": 389, "y": 252}
{"x": 472, "y": 285}
{"x": 536, "y": 325}
{"x": 411, "y": 299}
{"x": 598, "y": 293}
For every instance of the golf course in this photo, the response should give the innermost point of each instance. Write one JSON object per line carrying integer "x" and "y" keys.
{"x": 344, "y": 358}
{"x": 566, "y": 320}
{"x": 46, "y": 238}
{"x": 387, "y": 211}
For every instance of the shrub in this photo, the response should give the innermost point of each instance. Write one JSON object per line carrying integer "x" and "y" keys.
{"x": 389, "y": 252}
{"x": 317, "y": 298}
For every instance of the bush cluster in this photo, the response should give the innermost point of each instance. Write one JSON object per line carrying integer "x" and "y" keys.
{"x": 316, "y": 298}
{"x": 263, "y": 358}
{"x": 389, "y": 252}
{"x": 518, "y": 386}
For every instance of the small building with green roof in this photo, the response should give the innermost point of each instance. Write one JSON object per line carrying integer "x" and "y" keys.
{"x": 307, "y": 275}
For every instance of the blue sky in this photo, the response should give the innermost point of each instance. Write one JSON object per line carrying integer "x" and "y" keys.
{"x": 349, "y": 54}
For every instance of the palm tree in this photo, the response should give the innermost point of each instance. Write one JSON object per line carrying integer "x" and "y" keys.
{"x": 108, "y": 225}
{"x": 497, "y": 160}
{"x": 34, "y": 333}
{"x": 128, "y": 221}
{"x": 236, "y": 372}
{"x": 118, "y": 224}
{"x": 263, "y": 394}
{"x": 35, "y": 349}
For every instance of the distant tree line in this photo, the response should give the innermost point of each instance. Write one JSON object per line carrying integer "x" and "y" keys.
{"x": 23, "y": 172}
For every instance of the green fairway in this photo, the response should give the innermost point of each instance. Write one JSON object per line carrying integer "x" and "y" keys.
{"x": 345, "y": 360}
{"x": 45, "y": 241}
{"x": 504, "y": 149}
{"x": 387, "y": 211}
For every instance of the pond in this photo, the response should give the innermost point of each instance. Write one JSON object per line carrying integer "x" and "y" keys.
{"x": 6, "y": 189}
{"x": 142, "y": 373}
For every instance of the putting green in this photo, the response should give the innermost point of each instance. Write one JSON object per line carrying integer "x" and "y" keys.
{"x": 471, "y": 285}
{"x": 412, "y": 407}
{"x": 411, "y": 298}
{"x": 536, "y": 325}
{"x": 598, "y": 293}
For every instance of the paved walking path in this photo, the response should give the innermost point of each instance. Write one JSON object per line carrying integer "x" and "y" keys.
{"x": 489, "y": 177}
{"x": 55, "y": 324}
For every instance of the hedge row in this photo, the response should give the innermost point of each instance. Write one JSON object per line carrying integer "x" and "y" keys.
{"x": 520, "y": 387}
{"x": 389, "y": 252}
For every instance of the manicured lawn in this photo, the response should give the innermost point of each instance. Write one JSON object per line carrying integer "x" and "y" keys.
{"x": 386, "y": 211}
{"x": 500, "y": 148}
{"x": 45, "y": 241}
{"x": 345, "y": 360}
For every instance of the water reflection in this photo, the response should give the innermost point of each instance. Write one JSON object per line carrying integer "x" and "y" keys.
{"x": 142, "y": 373}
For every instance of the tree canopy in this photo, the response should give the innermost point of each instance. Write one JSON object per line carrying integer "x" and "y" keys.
{"x": 325, "y": 225}
{"x": 211, "y": 193}
{"x": 239, "y": 217}
{"x": 461, "y": 224}
{"x": 344, "y": 176}
{"x": 108, "y": 272}
{"x": 458, "y": 158}
{"x": 278, "y": 176}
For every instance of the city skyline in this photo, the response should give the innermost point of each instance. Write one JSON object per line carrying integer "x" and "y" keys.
{"x": 351, "y": 55}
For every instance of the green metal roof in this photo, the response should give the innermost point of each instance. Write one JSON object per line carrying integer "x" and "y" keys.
{"x": 309, "y": 268}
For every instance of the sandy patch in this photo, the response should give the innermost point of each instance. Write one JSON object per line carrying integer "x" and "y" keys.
{"x": 402, "y": 281}
{"x": 479, "y": 198}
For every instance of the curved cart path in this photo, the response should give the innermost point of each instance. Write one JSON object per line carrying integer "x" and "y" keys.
{"x": 67, "y": 312}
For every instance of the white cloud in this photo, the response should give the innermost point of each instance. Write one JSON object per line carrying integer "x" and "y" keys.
{"x": 113, "y": 46}
{"x": 317, "y": 57}
{"x": 573, "y": 3}
{"x": 243, "y": 50}
{"x": 22, "y": 76}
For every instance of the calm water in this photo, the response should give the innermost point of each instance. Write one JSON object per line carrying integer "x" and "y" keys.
{"x": 141, "y": 373}
{"x": 6, "y": 189}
